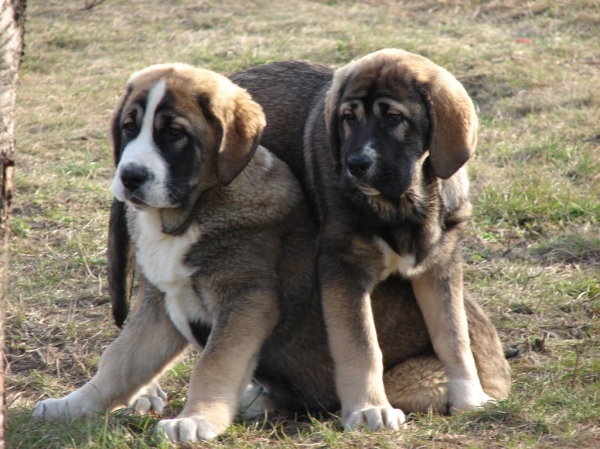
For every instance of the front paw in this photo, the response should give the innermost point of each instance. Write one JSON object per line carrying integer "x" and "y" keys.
{"x": 256, "y": 403}
{"x": 466, "y": 395}
{"x": 75, "y": 405}
{"x": 189, "y": 429}
{"x": 151, "y": 398}
{"x": 374, "y": 418}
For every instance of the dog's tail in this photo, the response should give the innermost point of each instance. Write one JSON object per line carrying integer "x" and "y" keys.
{"x": 121, "y": 262}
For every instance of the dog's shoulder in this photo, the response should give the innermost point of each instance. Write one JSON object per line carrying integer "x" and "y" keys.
{"x": 262, "y": 195}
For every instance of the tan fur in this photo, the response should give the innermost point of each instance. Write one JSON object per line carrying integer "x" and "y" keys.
{"x": 241, "y": 256}
{"x": 131, "y": 362}
{"x": 220, "y": 376}
{"x": 415, "y": 234}
{"x": 231, "y": 301}
{"x": 436, "y": 279}
{"x": 454, "y": 137}
{"x": 418, "y": 385}
{"x": 358, "y": 362}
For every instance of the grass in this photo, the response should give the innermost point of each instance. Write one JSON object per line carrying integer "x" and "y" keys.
{"x": 532, "y": 253}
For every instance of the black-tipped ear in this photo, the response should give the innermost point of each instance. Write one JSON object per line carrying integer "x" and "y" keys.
{"x": 115, "y": 125}
{"x": 120, "y": 261}
{"x": 242, "y": 126}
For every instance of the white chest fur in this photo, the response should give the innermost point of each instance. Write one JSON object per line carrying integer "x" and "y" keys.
{"x": 395, "y": 263}
{"x": 161, "y": 257}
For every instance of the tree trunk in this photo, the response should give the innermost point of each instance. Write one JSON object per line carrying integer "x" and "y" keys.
{"x": 12, "y": 20}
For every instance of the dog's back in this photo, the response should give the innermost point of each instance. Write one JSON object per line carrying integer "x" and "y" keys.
{"x": 288, "y": 92}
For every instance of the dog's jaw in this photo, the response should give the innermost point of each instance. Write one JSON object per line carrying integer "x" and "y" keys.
{"x": 368, "y": 190}
{"x": 137, "y": 204}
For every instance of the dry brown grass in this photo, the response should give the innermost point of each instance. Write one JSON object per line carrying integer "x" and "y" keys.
{"x": 532, "y": 253}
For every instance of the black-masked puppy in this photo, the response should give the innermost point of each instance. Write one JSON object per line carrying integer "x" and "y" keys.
{"x": 383, "y": 144}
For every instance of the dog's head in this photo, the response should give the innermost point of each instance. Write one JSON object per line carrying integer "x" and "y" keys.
{"x": 178, "y": 131}
{"x": 385, "y": 111}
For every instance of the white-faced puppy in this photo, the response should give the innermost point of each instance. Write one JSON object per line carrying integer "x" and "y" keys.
{"x": 380, "y": 149}
{"x": 206, "y": 211}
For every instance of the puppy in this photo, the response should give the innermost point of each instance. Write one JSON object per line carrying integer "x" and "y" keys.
{"x": 209, "y": 215}
{"x": 380, "y": 147}
{"x": 225, "y": 242}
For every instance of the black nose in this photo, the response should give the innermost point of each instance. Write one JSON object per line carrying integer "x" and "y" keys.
{"x": 133, "y": 176}
{"x": 358, "y": 165}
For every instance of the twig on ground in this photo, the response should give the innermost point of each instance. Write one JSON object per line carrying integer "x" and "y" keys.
{"x": 89, "y": 4}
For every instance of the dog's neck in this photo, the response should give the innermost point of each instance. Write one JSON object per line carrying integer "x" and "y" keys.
{"x": 265, "y": 180}
{"x": 175, "y": 221}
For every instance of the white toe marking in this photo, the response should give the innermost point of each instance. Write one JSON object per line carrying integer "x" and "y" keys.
{"x": 375, "y": 418}
{"x": 75, "y": 405}
{"x": 187, "y": 430}
{"x": 466, "y": 394}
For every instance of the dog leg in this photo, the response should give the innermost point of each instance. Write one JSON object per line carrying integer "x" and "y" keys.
{"x": 492, "y": 368}
{"x": 256, "y": 403}
{"x": 353, "y": 340}
{"x": 439, "y": 294}
{"x": 151, "y": 398}
{"x": 359, "y": 367}
{"x": 223, "y": 371}
{"x": 147, "y": 345}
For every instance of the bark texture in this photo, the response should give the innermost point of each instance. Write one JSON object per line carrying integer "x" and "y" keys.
{"x": 12, "y": 20}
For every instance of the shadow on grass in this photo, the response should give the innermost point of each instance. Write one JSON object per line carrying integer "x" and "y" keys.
{"x": 570, "y": 249}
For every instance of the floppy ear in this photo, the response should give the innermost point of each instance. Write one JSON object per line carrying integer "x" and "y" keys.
{"x": 115, "y": 125}
{"x": 120, "y": 255}
{"x": 242, "y": 126}
{"x": 341, "y": 78}
{"x": 120, "y": 261}
{"x": 453, "y": 135}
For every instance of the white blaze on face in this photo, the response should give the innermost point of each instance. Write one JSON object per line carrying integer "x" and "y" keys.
{"x": 370, "y": 152}
{"x": 143, "y": 152}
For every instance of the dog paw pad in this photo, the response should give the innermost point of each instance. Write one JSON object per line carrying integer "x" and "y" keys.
{"x": 152, "y": 398}
{"x": 374, "y": 418}
{"x": 188, "y": 430}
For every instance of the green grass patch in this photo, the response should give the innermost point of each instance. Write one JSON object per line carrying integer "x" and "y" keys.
{"x": 532, "y": 252}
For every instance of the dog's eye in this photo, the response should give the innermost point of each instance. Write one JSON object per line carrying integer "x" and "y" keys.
{"x": 348, "y": 116}
{"x": 394, "y": 118}
{"x": 129, "y": 128}
{"x": 175, "y": 132}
